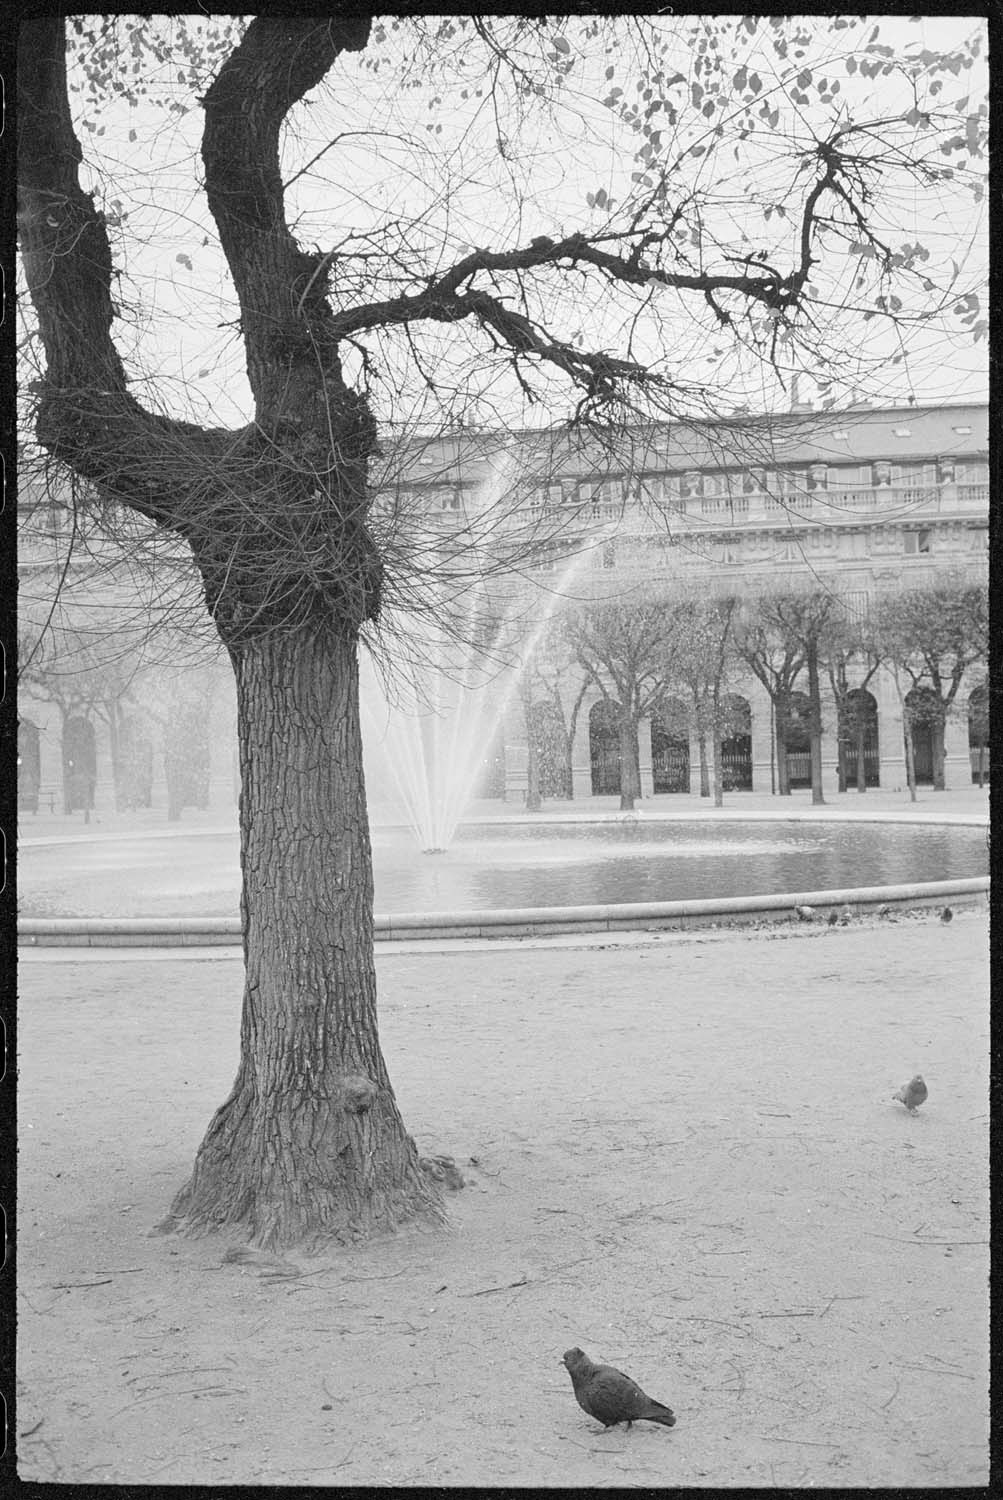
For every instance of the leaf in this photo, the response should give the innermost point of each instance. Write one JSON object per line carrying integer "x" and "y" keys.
{"x": 183, "y": 260}
{"x": 560, "y": 44}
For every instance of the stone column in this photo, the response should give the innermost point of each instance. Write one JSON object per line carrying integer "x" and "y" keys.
{"x": 957, "y": 758}
{"x": 516, "y": 752}
{"x": 581, "y": 760}
{"x": 644, "y": 758}
{"x": 830, "y": 742}
{"x": 891, "y": 750}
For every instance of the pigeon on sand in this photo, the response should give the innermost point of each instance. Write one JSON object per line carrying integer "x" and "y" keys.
{"x": 805, "y": 913}
{"x": 947, "y": 914}
{"x": 611, "y": 1396}
{"x": 912, "y": 1094}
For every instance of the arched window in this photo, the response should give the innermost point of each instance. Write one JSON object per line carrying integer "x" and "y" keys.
{"x": 735, "y": 728}
{"x": 670, "y": 747}
{"x": 859, "y": 739}
{"x": 798, "y": 741}
{"x": 978, "y": 732}
{"x": 926, "y": 722}
{"x": 604, "y": 748}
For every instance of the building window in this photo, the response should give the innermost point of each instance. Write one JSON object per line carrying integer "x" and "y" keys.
{"x": 917, "y": 542}
{"x": 971, "y": 473}
{"x": 846, "y": 478}
{"x": 856, "y": 604}
{"x": 449, "y": 499}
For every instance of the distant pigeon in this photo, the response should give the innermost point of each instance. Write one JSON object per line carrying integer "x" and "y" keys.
{"x": 947, "y": 914}
{"x": 845, "y": 916}
{"x": 833, "y": 918}
{"x": 805, "y": 913}
{"x": 885, "y": 910}
{"x": 912, "y": 1094}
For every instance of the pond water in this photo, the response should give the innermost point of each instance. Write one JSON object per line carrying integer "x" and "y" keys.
{"x": 513, "y": 865}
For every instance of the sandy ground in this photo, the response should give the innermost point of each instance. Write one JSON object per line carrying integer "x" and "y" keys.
{"x": 689, "y": 1164}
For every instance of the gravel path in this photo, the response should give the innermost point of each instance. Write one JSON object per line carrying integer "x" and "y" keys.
{"x": 688, "y": 1162}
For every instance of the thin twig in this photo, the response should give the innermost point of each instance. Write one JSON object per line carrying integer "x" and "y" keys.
{"x": 61, "y": 1286}
{"x": 929, "y": 1370}
{"x": 800, "y": 1442}
{"x": 891, "y": 1398}
{"x": 29, "y": 1430}
{"x": 485, "y": 1290}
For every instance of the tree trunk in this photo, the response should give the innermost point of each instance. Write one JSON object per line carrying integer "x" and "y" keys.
{"x": 814, "y": 721}
{"x": 783, "y": 781}
{"x": 842, "y": 738}
{"x": 861, "y": 765}
{"x": 910, "y": 756}
{"x": 630, "y": 763}
{"x": 310, "y": 1144}
{"x": 938, "y": 750}
{"x": 701, "y": 727}
{"x": 718, "y": 772}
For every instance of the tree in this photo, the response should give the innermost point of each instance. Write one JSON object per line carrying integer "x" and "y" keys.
{"x": 82, "y": 665}
{"x": 396, "y": 315}
{"x": 544, "y": 688}
{"x": 932, "y": 636}
{"x": 798, "y": 621}
{"x": 701, "y": 647}
{"x": 849, "y": 647}
{"x": 776, "y": 659}
{"x": 624, "y": 649}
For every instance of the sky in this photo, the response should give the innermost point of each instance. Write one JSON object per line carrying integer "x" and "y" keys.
{"x": 434, "y": 173}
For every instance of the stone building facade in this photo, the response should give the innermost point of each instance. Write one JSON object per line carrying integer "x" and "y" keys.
{"x": 863, "y": 501}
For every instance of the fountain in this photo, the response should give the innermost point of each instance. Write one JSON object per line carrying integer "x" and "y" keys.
{"x": 427, "y": 735}
{"x": 429, "y": 722}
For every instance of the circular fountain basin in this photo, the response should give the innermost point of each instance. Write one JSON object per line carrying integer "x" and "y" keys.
{"x": 628, "y": 867}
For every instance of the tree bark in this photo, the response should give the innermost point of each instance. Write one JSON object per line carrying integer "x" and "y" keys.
{"x": 783, "y": 778}
{"x": 910, "y": 756}
{"x": 310, "y": 1144}
{"x": 630, "y": 760}
{"x": 938, "y": 752}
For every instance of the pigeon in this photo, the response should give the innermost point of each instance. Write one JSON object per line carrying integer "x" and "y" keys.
{"x": 885, "y": 910}
{"x": 912, "y": 1094}
{"x": 833, "y": 918}
{"x": 947, "y": 914}
{"x": 845, "y": 916}
{"x": 611, "y": 1396}
{"x": 805, "y": 913}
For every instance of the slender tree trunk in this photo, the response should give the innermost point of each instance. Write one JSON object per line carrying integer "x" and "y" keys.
{"x": 861, "y": 764}
{"x": 310, "y": 1144}
{"x": 938, "y": 751}
{"x": 630, "y": 762}
{"x": 842, "y": 740}
{"x": 701, "y": 727}
{"x": 910, "y": 756}
{"x": 814, "y": 721}
{"x": 783, "y": 778}
{"x": 716, "y": 748}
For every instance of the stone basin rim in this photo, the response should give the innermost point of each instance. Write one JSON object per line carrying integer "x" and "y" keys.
{"x": 524, "y": 921}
